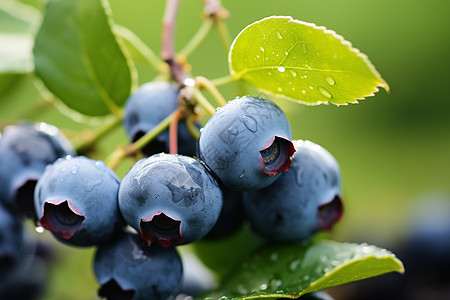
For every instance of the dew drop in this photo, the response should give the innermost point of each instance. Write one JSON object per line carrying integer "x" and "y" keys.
{"x": 334, "y": 263}
{"x": 304, "y": 48}
{"x": 274, "y": 256}
{"x": 280, "y": 36}
{"x": 311, "y": 87}
{"x": 306, "y": 277}
{"x": 286, "y": 53}
{"x": 250, "y": 123}
{"x": 280, "y": 89}
{"x": 92, "y": 184}
{"x": 294, "y": 265}
{"x": 330, "y": 80}
{"x": 269, "y": 73}
{"x": 261, "y": 48}
{"x": 241, "y": 289}
{"x": 263, "y": 287}
{"x": 257, "y": 56}
{"x": 303, "y": 92}
{"x": 241, "y": 176}
{"x": 281, "y": 69}
{"x": 75, "y": 169}
{"x": 39, "y": 229}
{"x": 275, "y": 284}
{"x": 294, "y": 73}
{"x": 324, "y": 92}
{"x": 267, "y": 58}
{"x": 293, "y": 88}
{"x": 323, "y": 258}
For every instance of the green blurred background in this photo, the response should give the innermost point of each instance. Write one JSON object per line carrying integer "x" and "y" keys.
{"x": 393, "y": 148}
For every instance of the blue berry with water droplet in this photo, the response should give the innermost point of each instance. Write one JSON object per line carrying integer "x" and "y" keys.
{"x": 246, "y": 143}
{"x": 76, "y": 199}
{"x": 170, "y": 199}
{"x": 127, "y": 268}
{"x": 304, "y": 200}
{"x": 146, "y": 108}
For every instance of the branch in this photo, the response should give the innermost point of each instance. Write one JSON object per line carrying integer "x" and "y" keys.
{"x": 168, "y": 44}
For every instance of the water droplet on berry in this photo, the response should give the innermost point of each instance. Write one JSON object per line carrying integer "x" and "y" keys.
{"x": 250, "y": 123}
{"x": 75, "y": 169}
{"x": 92, "y": 184}
{"x": 280, "y": 36}
{"x": 281, "y": 69}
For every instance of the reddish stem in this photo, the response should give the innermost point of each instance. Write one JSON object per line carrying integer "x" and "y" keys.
{"x": 173, "y": 132}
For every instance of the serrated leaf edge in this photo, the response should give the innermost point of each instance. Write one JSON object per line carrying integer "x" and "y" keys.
{"x": 382, "y": 83}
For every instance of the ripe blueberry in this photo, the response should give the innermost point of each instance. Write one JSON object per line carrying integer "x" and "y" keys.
{"x": 170, "y": 199}
{"x": 11, "y": 242}
{"x": 246, "y": 143}
{"x": 304, "y": 200}
{"x": 25, "y": 150}
{"x": 76, "y": 199}
{"x": 231, "y": 216}
{"x": 127, "y": 268}
{"x": 147, "y": 107}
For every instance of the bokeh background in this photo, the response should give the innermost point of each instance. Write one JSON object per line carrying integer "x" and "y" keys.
{"x": 394, "y": 148}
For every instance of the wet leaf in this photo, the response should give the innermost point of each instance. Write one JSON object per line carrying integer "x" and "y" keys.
{"x": 302, "y": 62}
{"x": 289, "y": 271}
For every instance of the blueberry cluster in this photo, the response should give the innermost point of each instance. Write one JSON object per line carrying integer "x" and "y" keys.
{"x": 244, "y": 167}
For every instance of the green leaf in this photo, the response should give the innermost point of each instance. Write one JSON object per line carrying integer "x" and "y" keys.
{"x": 17, "y": 22}
{"x": 302, "y": 62}
{"x": 289, "y": 271}
{"x": 79, "y": 58}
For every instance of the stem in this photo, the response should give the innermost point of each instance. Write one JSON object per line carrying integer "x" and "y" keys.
{"x": 173, "y": 132}
{"x": 215, "y": 11}
{"x": 196, "y": 40}
{"x": 168, "y": 47}
{"x": 141, "y": 48}
{"x": 120, "y": 153}
{"x": 204, "y": 102}
{"x": 191, "y": 127}
{"x": 87, "y": 138}
{"x": 222, "y": 80}
{"x": 224, "y": 34}
{"x": 206, "y": 84}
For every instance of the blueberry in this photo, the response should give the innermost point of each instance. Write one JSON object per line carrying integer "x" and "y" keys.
{"x": 12, "y": 244}
{"x": 231, "y": 216}
{"x": 171, "y": 199}
{"x": 304, "y": 200}
{"x": 25, "y": 150}
{"x": 76, "y": 199}
{"x": 127, "y": 268}
{"x": 147, "y": 107}
{"x": 246, "y": 143}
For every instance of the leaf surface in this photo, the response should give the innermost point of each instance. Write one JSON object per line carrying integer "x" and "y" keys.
{"x": 289, "y": 271}
{"x": 302, "y": 62}
{"x": 17, "y": 22}
{"x": 80, "y": 59}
